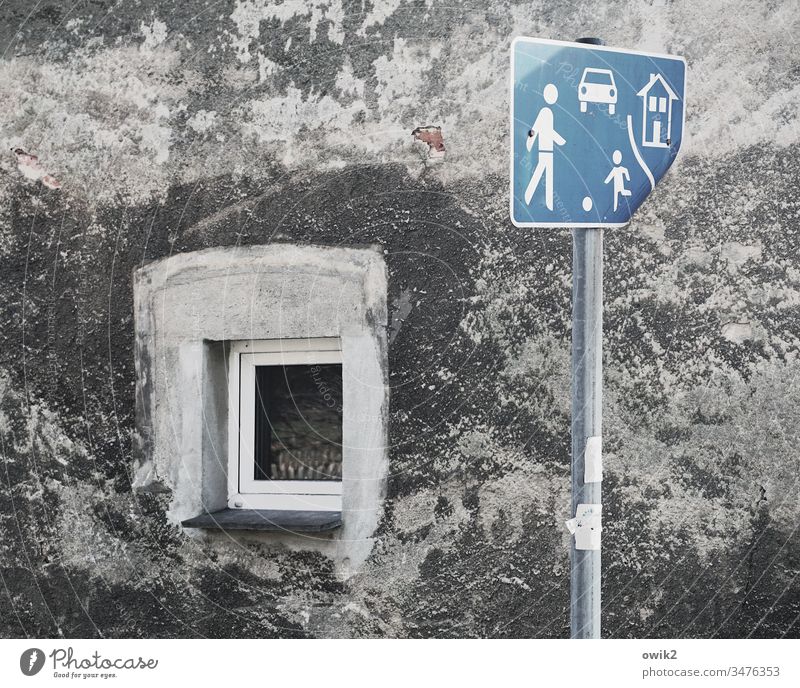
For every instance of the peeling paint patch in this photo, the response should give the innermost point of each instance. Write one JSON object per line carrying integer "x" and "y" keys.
{"x": 202, "y": 121}
{"x": 101, "y": 117}
{"x": 433, "y": 137}
{"x": 736, "y": 254}
{"x": 32, "y": 169}
{"x": 400, "y": 76}
{"x": 266, "y": 119}
{"x": 156, "y": 138}
{"x": 266, "y": 68}
{"x": 348, "y": 84}
{"x": 154, "y": 35}
{"x": 401, "y": 310}
{"x": 737, "y": 332}
{"x": 514, "y": 580}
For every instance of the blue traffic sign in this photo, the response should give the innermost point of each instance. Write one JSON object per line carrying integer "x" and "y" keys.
{"x": 593, "y": 129}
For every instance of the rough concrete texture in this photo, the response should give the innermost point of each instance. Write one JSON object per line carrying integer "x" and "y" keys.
{"x": 175, "y": 126}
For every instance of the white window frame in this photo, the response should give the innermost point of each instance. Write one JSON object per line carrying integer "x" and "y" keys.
{"x": 662, "y": 104}
{"x": 244, "y": 492}
{"x": 653, "y": 103}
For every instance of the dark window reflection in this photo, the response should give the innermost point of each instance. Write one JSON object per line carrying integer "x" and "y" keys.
{"x": 298, "y": 422}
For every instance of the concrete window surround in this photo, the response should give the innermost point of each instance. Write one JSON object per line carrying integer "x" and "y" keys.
{"x": 191, "y": 306}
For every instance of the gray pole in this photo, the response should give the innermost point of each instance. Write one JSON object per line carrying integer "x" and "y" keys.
{"x": 587, "y": 414}
{"x": 587, "y": 417}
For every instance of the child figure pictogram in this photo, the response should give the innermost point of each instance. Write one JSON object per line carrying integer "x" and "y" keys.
{"x": 618, "y": 174}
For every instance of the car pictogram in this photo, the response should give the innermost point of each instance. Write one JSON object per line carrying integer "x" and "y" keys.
{"x": 597, "y": 86}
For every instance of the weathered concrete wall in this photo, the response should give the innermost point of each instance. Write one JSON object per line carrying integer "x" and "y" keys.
{"x": 176, "y": 126}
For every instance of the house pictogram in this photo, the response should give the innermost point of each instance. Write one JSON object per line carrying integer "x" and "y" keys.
{"x": 657, "y": 99}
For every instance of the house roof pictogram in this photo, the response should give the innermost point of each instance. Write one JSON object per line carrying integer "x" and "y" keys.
{"x": 653, "y": 79}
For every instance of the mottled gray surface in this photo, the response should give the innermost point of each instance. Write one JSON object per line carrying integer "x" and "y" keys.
{"x": 175, "y": 126}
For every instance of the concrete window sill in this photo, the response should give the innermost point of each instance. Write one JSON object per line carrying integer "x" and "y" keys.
{"x": 267, "y": 520}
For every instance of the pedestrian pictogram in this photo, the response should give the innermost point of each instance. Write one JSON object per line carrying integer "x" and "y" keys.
{"x": 543, "y": 132}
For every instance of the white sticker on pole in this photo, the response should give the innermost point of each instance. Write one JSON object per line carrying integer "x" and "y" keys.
{"x": 593, "y": 460}
{"x": 587, "y": 526}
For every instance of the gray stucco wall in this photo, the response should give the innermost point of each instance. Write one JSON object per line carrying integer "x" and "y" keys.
{"x": 178, "y": 126}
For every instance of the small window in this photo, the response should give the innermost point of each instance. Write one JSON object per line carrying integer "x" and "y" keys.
{"x": 662, "y": 104}
{"x": 652, "y": 106}
{"x": 286, "y": 424}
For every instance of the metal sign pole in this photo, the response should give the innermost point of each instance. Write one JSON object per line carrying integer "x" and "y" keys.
{"x": 596, "y": 128}
{"x": 587, "y": 421}
{"x": 587, "y": 418}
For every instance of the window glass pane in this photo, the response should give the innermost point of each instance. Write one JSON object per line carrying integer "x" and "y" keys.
{"x": 662, "y": 104}
{"x": 298, "y": 429}
{"x": 653, "y": 103}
